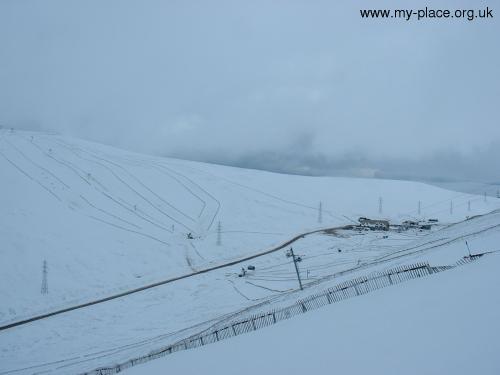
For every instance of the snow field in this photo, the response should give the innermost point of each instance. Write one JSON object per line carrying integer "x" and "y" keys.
{"x": 107, "y": 220}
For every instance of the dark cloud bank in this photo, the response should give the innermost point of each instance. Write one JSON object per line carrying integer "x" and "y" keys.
{"x": 437, "y": 167}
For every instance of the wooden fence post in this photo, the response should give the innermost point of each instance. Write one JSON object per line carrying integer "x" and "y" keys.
{"x": 328, "y": 298}
{"x": 356, "y": 289}
{"x": 303, "y": 307}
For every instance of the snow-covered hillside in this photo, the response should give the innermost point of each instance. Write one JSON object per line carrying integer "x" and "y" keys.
{"x": 107, "y": 220}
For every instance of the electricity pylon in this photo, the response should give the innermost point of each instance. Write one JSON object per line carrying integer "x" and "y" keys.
{"x": 45, "y": 286}
{"x": 219, "y": 230}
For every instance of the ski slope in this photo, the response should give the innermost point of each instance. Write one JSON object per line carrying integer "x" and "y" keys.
{"x": 108, "y": 221}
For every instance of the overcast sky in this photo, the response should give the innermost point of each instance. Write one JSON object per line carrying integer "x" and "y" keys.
{"x": 294, "y": 86}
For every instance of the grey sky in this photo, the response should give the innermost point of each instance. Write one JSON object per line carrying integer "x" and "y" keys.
{"x": 294, "y": 86}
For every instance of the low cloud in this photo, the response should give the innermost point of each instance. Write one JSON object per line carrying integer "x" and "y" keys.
{"x": 443, "y": 166}
{"x": 294, "y": 87}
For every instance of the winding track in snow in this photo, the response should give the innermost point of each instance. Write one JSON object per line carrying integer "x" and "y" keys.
{"x": 130, "y": 187}
{"x": 163, "y": 282}
{"x": 101, "y": 189}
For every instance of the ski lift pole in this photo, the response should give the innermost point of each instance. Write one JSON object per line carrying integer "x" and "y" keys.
{"x": 296, "y": 268}
{"x": 468, "y": 249}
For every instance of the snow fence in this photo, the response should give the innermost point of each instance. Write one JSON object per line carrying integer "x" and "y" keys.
{"x": 340, "y": 292}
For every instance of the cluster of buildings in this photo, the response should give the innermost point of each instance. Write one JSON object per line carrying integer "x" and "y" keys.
{"x": 385, "y": 225}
